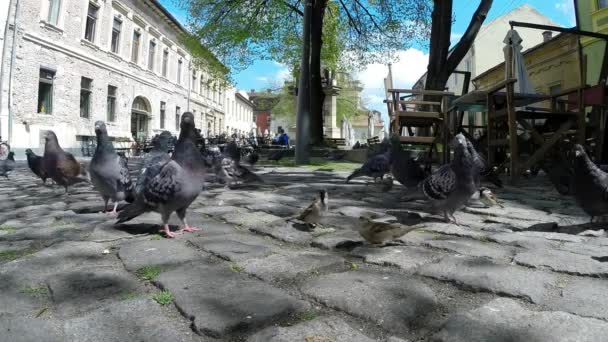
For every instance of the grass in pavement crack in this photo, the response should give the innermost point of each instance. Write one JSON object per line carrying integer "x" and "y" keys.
{"x": 163, "y": 297}
{"x": 148, "y": 272}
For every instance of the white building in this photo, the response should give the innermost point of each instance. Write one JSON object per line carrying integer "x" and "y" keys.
{"x": 239, "y": 113}
{"x": 68, "y": 63}
{"x": 487, "y": 49}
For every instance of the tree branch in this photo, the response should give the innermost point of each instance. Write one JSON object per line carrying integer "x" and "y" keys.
{"x": 292, "y": 7}
{"x": 369, "y": 15}
{"x": 464, "y": 44}
{"x": 350, "y": 18}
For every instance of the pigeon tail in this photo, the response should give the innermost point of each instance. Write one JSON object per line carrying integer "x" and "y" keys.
{"x": 131, "y": 211}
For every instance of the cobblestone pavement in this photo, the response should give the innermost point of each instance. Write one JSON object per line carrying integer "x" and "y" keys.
{"x": 68, "y": 274}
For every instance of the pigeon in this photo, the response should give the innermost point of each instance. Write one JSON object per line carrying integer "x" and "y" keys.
{"x": 486, "y": 173}
{"x": 376, "y": 167}
{"x": 406, "y": 169}
{"x": 252, "y": 157}
{"x": 452, "y": 185}
{"x": 229, "y": 170}
{"x": 488, "y": 198}
{"x": 173, "y": 186}
{"x": 379, "y": 233}
{"x": 590, "y": 184}
{"x": 154, "y": 159}
{"x": 7, "y": 165}
{"x": 34, "y": 161}
{"x": 59, "y": 165}
{"x": 109, "y": 172}
{"x": 278, "y": 155}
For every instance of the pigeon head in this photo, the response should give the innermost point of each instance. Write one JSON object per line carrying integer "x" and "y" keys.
{"x": 187, "y": 126}
{"x": 11, "y": 156}
{"x": 100, "y": 127}
{"x": 579, "y": 151}
{"x": 162, "y": 140}
{"x": 29, "y": 151}
{"x": 50, "y": 139}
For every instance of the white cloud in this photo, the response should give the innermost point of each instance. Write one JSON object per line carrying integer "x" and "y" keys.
{"x": 567, "y": 8}
{"x": 411, "y": 65}
{"x": 262, "y": 78}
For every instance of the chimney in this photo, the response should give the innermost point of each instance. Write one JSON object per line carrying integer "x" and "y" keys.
{"x": 547, "y": 35}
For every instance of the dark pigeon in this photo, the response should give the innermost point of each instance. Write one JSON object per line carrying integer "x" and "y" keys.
{"x": 486, "y": 172}
{"x": 452, "y": 185}
{"x": 7, "y": 165}
{"x": 229, "y": 170}
{"x": 376, "y": 167}
{"x": 405, "y": 167}
{"x": 173, "y": 186}
{"x": 109, "y": 172}
{"x": 154, "y": 160}
{"x": 278, "y": 155}
{"x": 59, "y": 165}
{"x": 35, "y": 163}
{"x": 590, "y": 184}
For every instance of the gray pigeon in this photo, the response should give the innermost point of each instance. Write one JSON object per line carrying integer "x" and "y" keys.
{"x": 229, "y": 170}
{"x": 59, "y": 165}
{"x": 109, "y": 172}
{"x": 7, "y": 165}
{"x": 155, "y": 159}
{"x": 590, "y": 184}
{"x": 376, "y": 167}
{"x": 452, "y": 185}
{"x": 486, "y": 173}
{"x": 173, "y": 186}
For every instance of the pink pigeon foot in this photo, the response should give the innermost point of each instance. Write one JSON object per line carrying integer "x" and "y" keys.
{"x": 168, "y": 232}
{"x": 188, "y": 228}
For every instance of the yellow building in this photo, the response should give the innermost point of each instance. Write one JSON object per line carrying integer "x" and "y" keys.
{"x": 552, "y": 66}
{"x": 592, "y": 15}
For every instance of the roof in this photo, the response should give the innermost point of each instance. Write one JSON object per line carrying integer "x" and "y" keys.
{"x": 532, "y": 49}
{"x": 244, "y": 99}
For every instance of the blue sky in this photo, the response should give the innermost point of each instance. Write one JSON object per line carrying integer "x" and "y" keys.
{"x": 263, "y": 74}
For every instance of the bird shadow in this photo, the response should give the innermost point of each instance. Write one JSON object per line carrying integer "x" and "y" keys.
{"x": 142, "y": 228}
{"x": 575, "y": 229}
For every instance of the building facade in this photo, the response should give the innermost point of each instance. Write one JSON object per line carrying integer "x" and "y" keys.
{"x": 69, "y": 63}
{"x": 239, "y": 113}
{"x": 592, "y": 15}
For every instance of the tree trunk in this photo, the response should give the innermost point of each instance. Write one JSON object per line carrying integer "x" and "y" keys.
{"x": 316, "y": 88}
{"x": 303, "y": 114}
{"x": 441, "y": 65}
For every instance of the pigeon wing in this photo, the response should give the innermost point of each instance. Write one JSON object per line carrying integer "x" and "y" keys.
{"x": 440, "y": 184}
{"x": 124, "y": 181}
{"x": 164, "y": 186}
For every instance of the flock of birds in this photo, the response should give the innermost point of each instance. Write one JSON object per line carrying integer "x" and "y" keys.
{"x": 169, "y": 183}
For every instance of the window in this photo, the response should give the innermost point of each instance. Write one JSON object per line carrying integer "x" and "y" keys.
{"x": 89, "y": 32}
{"x": 45, "y": 91}
{"x": 163, "y": 108}
{"x": 151, "y": 55}
{"x": 85, "y": 97}
{"x": 194, "y": 82}
{"x": 179, "y": 71}
{"x": 602, "y": 4}
{"x": 111, "y": 104}
{"x": 177, "y": 115}
{"x": 201, "y": 89}
{"x": 135, "y": 48}
{"x": 116, "y": 28}
{"x": 54, "y": 6}
{"x": 165, "y": 61}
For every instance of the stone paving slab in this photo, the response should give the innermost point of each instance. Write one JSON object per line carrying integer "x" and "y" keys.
{"x": 561, "y": 261}
{"x": 234, "y": 247}
{"x": 15, "y": 328}
{"x": 486, "y": 275}
{"x": 164, "y": 252}
{"x": 221, "y": 301}
{"x": 338, "y": 239}
{"x": 118, "y": 322}
{"x": 291, "y": 265}
{"x": 474, "y": 248}
{"x": 250, "y": 220}
{"x": 405, "y": 257}
{"x": 393, "y": 301}
{"x": 505, "y": 320}
{"x": 323, "y": 329}
{"x": 284, "y": 231}
{"x": 584, "y": 297}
